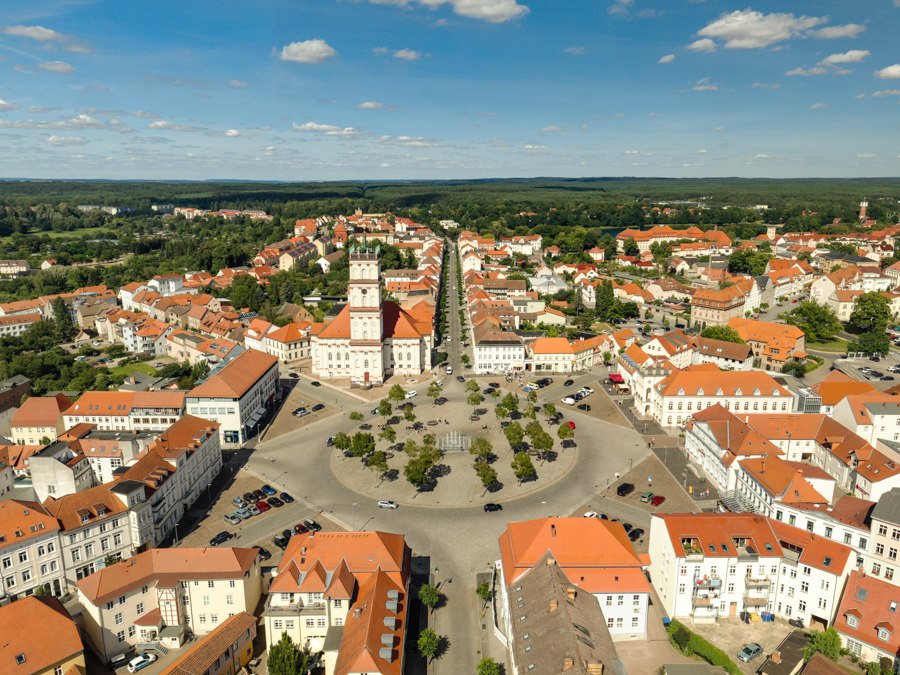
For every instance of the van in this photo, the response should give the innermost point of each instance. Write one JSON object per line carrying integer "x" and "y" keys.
{"x": 119, "y": 660}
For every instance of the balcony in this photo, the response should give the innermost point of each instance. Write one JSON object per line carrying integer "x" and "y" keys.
{"x": 295, "y": 609}
{"x": 762, "y": 582}
{"x": 747, "y": 553}
{"x": 752, "y": 601}
{"x": 702, "y": 601}
{"x": 713, "y": 584}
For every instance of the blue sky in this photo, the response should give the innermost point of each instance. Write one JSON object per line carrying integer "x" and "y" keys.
{"x": 379, "y": 89}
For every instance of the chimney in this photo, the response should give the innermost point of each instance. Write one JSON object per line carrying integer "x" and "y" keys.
{"x": 763, "y": 466}
{"x": 571, "y": 593}
{"x": 594, "y": 668}
{"x": 568, "y": 663}
{"x": 553, "y": 606}
{"x": 552, "y": 531}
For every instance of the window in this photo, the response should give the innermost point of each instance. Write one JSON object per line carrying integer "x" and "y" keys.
{"x": 829, "y": 531}
{"x": 206, "y": 600}
{"x": 338, "y": 603}
{"x": 121, "y": 599}
{"x": 120, "y": 636}
{"x": 804, "y": 587}
{"x": 214, "y": 618}
{"x": 882, "y": 530}
{"x": 888, "y": 573}
{"x": 635, "y": 600}
{"x": 7, "y": 562}
{"x": 320, "y": 622}
{"x": 847, "y": 537}
{"x": 144, "y": 589}
{"x": 231, "y": 584}
{"x": 892, "y": 553}
{"x": 620, "y": 600}
{"x": 109, "y": 605}
{"x": 634, "y": 622}
{"x": 852, "y": 621}
{"x": 229, "y": 599}
{"x": 118, "y": 618}
{"x": 140, "y": 608}
{"x": 26, "y": 576}
{"x": 23, "y": 556}
{"x": 879, "y": 549}
{"x": 876, "y": 569}
{"x": 310, "y": 623}
{"x": 801, "y": 606}
{"x": 131, "y": 631}
{"x": 338, "y": 622}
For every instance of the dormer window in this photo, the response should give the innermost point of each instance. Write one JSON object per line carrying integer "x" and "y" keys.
{"x": 884, "y": 634}
{"x": 852, "y": 621}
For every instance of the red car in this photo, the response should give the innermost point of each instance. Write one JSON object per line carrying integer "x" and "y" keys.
{"x": 299, "y": 528}
{"x": 262, "y": 506}
{"x": 657, "y": 500}
{"x": 571, "y": 424}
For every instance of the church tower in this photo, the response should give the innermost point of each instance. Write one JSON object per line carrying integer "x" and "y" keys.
{"x": 366, "y": 318}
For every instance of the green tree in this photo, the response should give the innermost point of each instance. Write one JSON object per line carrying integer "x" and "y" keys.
{"x": 514, "y": 434}
{"x": 542, "y": 442}
{"x": 484, "y": 591}
{"x": 630, "y": 247}
{"x": 429, "y": 642}
{"x": 434, "y": 390}
{"x": 481, "y": 447}
{"x": 474, "y": 400}
{"x": 429, "y": 596}
{"x": 872, "y": 343}
{"x": 341, "y": 441}
{"x": 549, "y": 409}
{"x": 377, "y": 461}
{"x": 472, "y": 386}
{"x": 748, "y": 261}
{"x": 565, "y": 431}
{"x": 872, "y": 312}
{"x": 396, "y": 393}
{"x": 523, "y": 467}
{"x": 607, "y": 358}
{"x": 827, "y": 643}
{"x": 385, "y": 408}
{"x": 409, "y": 414}
{"x": 662, "y": 251}
{"x": 410, "y": 448}
{"x": 388, "y": 434}
{"x": 42, "y": 591}
{"x": 63, "y": 325}
{"x": 724, "y": 333}
{"x": 488, "y": 667}
{"x": 486, "y": 473}
{"x": 362, "y": 444}
{"x": 818, "y": 322}
{"x": 510, "y": 402}
{"x": 355, "y": 416}
{"x": 288, "y": 658}
{"x": 417, "y": 472}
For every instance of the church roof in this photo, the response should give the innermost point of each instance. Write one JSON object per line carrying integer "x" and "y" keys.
{"x": 397, "y": 323}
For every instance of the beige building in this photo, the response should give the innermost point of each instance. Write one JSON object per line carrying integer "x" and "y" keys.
{"x": 29, "y": 550}
{"x": 39, "y": 420}
{"x": 40, "y": 638}
{"x": 164, "y": 593}
{"x": 224, "y": 651}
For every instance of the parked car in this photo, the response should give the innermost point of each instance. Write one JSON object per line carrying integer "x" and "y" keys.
{"x": 318, "y": 406}
{"x": 330, "y": 442}
{"x": 286, "y": 498}
{"x": 316, "y": 383}
{"x": 488, "y": 391}
{"x": 243, "y": 514}
{"x": 568, "y": 383}
{"x": 301, "y": 412}
{"x": 280, "y": 541}
{"x": 141, "y": 662}
{"x": 495, "y": 385}
{"x": 636, "y": 534}
{"x": 232, "y": 518}
{"x": 220, "y": 538}
{"x": 646, "y": 497}
{"x": 750, "y": 652}
{"x": 239, "y": 502}
{"x": 491, "y": 506}
{"x": 459, "y": 378}
{"x": 249, "y": 498}
{"x": 274, "y": 501}
{"x": 625, "y": 489}
{"x": 657, "y": 500}
{"x": 585, "y": 407}
{"x": 568, "y": 444}
{"x": 264, "y": 553}
{"x": 253, "y": 509}
{"x": 628, "y": 527}
{"x": 300, "y": 528}
{"x": 796, "y": 622}
{"x": 387, "y": 504}
{"x": 591, "y": 514}
{"x": 313, "y": 525}
{"x": 570, "y": 423}
{"x": 287, "y": 534}
{"x": 568, "y": 400}
{"x": 412, "y": 393}
{"x": 268, "y": 490}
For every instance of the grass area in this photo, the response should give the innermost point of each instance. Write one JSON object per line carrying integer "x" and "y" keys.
{"x": 70, "y": 234}
{"x": 132, "y": 368}
{"x": 600, "y": 326}
{"x": 836, "y": 345}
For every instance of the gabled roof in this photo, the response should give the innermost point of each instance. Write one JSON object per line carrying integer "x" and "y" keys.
{"x": 41, "y": 630}
{"x": 237, "y": 377}
{"x": 733, "y": 435}
{"x": 837, "y": 385}
{"x": 40, "y": 411}
{"x": 201, "y": 657}
{"x": 873, "y": 602}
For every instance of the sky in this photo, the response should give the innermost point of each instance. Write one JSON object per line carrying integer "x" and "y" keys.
{"x": 434, "y": 89}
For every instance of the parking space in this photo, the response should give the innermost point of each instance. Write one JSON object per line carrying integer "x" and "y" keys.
{"x": 650, "y": 477}
{"x": 286, "y": 420}
{"x": 730, "y": 635}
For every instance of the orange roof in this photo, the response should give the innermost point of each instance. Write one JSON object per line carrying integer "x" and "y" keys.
{"x": 199, "y": 658}
{"x": 708, "y": 380}
{"x": 292, "y": 332}
{"x": 733, "y": 436}
{"x": 166, "y": 564}
{"x": 838, "y": 385}
{"x": 41, "y": 629}
{"x": 187, "y": 433}
{"x": 548, "y": 345}
{"x": 21, "y": 521}
{"x": 874, "y": 603}
{"x": 40, "y": 411}
{"x": 95, "y": 503}
{"x": 121, "y": 403}
{"x": 585, "y": 548}
{"x": 782, "y": 478}
{"x": 237, "y": 377}
{"x": 766, "y": 331}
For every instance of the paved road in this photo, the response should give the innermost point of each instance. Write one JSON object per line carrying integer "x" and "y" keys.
{"x": 456, "y": 543}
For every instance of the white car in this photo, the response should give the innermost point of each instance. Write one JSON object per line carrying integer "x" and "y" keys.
{"x": 141, "y": 662}
{"x": 449, "y": 370}
{"x": 591, "y": 514}
{"x": 568, "y": 400}
{"x": 411, "y": 394}
{"x": 448, "y": 339}
{"x": 386, "y": 504}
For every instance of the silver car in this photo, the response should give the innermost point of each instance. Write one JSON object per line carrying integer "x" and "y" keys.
{"x": 232, "y": 518}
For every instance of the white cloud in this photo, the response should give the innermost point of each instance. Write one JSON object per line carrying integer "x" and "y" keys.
{"x": 532, "y": 148}
{"x": 409, "y": 141}
{"x": 889, "y": 73}
{"x": 818, "y": 106}
{"x": 850, "y": 30}
{"x": 407, "y": 55}
{"x": 172, "y": 126}
{"x": 66, "y": 140}
{"x": 5, "y": 107}
{"x": 750, "y": 29}
{"x": 232, "y": 133}
{"x": 238, "y": 84}
{"x": 702, "y": 151}
{"x": 853, "y": 56}
{"x": 866, "y": 155}
{"x": 34, "y": 32}
{"x": 60, "y": 67}
{"x": 668, "y": 58}
{"x": 326, "y": 129}
{"x": 766, "y": 85}
{"x": 881, "y": 93}
{"x": 492, "y": 11}
{"x": 705, "y": 85}
{"x": 380, "y": 50}
{"x": 632, "y": 152}
{"x": 807, "y": 72}
{"x": 370, "y": 105}
{"x": 576, "y": 51}
{"x": 551, "y": 129}
{"x": 308, "y": 51}
{"x": 703, "y": 45}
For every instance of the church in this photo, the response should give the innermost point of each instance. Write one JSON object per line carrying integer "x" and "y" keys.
{"x": 372, "y": 338}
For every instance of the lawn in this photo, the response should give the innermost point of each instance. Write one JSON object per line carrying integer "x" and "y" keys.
{"x": 131, "y": 368}
{"x": 836, "y": 345}
{"x": 71, "y": 234}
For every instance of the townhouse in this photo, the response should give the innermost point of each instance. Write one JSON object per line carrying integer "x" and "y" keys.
{"x": 126, "y": 410}
{"x": 290, "y": 343}
{"x": 767, "y": 482}
{"x": 596, "y": 555}
{"x": 875, "y": 416}
{"x": 867, "y": 619}
{"x": 226, "y": 649}
{"x": 717, "y": 306}
{"x": 847, "y": 521}
{"x": 674, "y": 346}
{"x": 237, "y": 396}
{"x": 882, "y": 558}
{"x": 496, "y": 350}
{"x": 38, "y": 421}
{"x": 182, "y": 345}
{"x": 710, "y": 565}
{"x": 773, "y": 344}
{"x": 15, "y": 325}
{"x": 345, "y": 594}
{"x": 725, "y": 355}
{"x": 30, "y": 552}
{"x": 559, "y": 355}
{"x": 164, "y": 594}
{"x": 24, "y": 652}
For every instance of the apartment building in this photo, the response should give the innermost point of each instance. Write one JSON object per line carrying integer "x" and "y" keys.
{"x": 126, "y": 410}
{"x": 764, "y": 482}
{"x": 225, "y": 650}
{"x": 237, "y": 396}
{"x": 15, "y": 325}
{"x": 347, "y": 594}
{"x": 717, "y": 306}
{"x": 882, "y": 560}
{"x": 594, "y": 554}
{"x": 773, "y": 344}
{"x": 846, "y": 521}
{"x": 40, "y": 638}
{"x": 39, "y": 421}
{"x": 496, "y": 350}
{"x": 165, "y": 593}
{"x": 710, "y": 565}
{"x": 558, "y": 355}
{"x": 184, "y": 345}
{"x": 30, "y": 552}
{"x": 867, "y": 619}
{"x": 725, "y": 355}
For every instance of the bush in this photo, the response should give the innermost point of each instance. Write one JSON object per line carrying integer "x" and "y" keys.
{"x": 690, "y": 644}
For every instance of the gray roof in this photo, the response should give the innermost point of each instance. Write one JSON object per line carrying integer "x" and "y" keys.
{"x": 692, "y": 669}
{"x": 883, "y": 408}
{"x": 888, "y": 507}
{"x": 791, "y": 649}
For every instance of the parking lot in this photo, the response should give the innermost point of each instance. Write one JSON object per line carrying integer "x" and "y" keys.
{"x": 730, "y": 635}
{"x": 286, "y": 421}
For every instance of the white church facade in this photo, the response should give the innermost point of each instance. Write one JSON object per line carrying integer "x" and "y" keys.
{"x": 372, "y": 338}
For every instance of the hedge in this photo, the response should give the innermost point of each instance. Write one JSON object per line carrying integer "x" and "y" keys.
{"x": 691, "y": 644}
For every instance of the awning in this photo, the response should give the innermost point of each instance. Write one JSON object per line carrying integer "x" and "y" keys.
{"x": 257, "y": 415}
{"x": 615, "y": 378}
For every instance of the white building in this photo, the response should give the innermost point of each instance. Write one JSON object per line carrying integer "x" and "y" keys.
{"x": 126, "y": 410}
{"x": 30, "y": 554}
{"x": 496, "y": 350}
